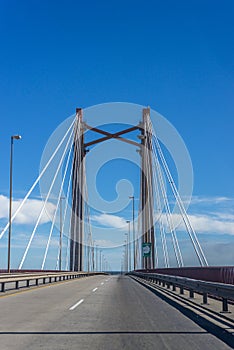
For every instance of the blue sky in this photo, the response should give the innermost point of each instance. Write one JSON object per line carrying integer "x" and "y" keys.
{"x": 176, "y": 57}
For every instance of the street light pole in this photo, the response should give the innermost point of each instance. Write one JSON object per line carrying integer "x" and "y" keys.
{"x": 96, "y": 257}
{"x": 100, "y": 260}
{"x": 93, "y": 258}
{"x": 133, "y": 231}
{"x": 61, "y": 234}
{"x": 126, "y": 253}
{"x": 16, "y": 137}
{"x": 129, "y": 245}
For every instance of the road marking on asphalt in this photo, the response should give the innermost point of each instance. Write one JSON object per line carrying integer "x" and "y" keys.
{"x": 15, "y": 292}
{"x": 94, "y": 290}
{"x": 77, "y": 304}
{"x": 102, "y": 283}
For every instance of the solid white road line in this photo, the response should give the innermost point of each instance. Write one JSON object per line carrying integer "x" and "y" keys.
{"x": 94, "y": 290}
{"x": 77, "y": 304}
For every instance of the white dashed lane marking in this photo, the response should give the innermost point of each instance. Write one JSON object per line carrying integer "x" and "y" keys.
{"x": 77, "y": 304}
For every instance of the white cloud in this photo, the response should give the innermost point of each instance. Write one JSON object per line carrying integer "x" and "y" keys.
{"x": 221, "y": 223}
{"x": 29, "y": 212}
{"x": 108, "y": 220}
{"x": 210, "y": 200}
{"x": 213, "y": 214}
{"x": 103, "y": 243}
{"x": 211, "y": 224}
{"x": 202, "y": 200}
{"x": 223, "y": 216}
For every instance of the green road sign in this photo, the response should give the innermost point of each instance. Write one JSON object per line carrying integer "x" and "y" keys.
{"x": 146, "y": 249}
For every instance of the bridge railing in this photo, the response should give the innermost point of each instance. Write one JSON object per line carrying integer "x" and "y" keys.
{"x": 219, "y": 274}
{"x": 36, "y": 279}
{"x": 220, "y": 290}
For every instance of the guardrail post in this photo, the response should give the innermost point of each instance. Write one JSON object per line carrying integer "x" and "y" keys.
{"x": 191, "y": 294}
{"x": 205, "y": 298}
{"x": 28, "y": 283}
{"x": 50, "y": 279}
{"x": 3, "y": 287}
{"x": 37, "y": 281}
{"x": 16, "y": 284}
{"x": 205, "y": 289}
{"x": 225, "y": 305}
{"x": 44, "y": 280}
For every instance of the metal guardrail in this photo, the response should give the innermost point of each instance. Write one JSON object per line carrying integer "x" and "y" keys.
{"x": 23, "y": 281}
{"x": 217, "y": 274}
{"x": 223, "y": 291}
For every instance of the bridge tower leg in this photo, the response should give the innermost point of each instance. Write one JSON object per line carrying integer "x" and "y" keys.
{"x": 77, "y": 217}
{"x": 147, "y": 190}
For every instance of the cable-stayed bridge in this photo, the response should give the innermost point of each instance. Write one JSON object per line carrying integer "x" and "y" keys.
{"x": 66, "y": 201}
{"x": 151, "y": 303}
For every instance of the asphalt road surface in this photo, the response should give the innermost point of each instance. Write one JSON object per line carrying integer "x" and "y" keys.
{"x": 100, "y": 312}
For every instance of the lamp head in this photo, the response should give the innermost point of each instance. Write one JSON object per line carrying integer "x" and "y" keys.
{"x": 16, "y": 137}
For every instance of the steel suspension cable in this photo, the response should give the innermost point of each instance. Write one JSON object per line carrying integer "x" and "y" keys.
{"x": 75, "y": 183}
{"x": 59, "y": 196}
{"x": 150, "y": 188}
{"x": 177, "y": 251}
{"x": 197, "y": 247}
{"x": 161, "y": 226}
{"x": 42, "y": 211}
{"x": 64, "y": 218}
{"x": 190, "y": 230}
{"x": 37, "y": 180}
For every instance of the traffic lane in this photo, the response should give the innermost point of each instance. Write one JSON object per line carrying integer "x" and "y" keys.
{"x": 24, "y": 305}
{"x": 37, "y": 310}
{"x": 128, "y": 316}
{"x": 122, "y": 314}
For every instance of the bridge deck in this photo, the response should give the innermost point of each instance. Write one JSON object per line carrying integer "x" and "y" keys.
{"x": 100, "y": 312}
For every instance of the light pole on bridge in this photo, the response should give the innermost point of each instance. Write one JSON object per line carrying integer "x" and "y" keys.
{"x": 14, "y": 137}
{"x": 126, "y": 254}
{"x": 61, "y": 233}
{"x": 96, "y": 257}
{"x": 100, "y": 260}
{"x": 129, "y": 245}
{"x": 133, "y": 231}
